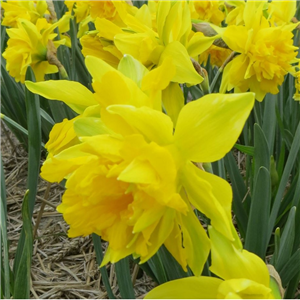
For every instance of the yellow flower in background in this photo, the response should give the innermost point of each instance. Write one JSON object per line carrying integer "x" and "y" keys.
{"x": 208, "y": 11}
{"x": 282, "y": 12}
{"x": 242, "y": 275}
{"x": 88, "y": 11}
{"x": 171, "y": 38}
{"x": 266, "y": 54}
{"x": 139, "y": 181}
{"x": 235, "y": 15}
{"x": 217, "y": 56}
{"x": 28, "y": 10}
{"x": 28, "y": 45}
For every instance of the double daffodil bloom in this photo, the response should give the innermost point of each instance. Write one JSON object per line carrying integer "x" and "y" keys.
{"x": 243, "y": 275}
{"x": 28, "y": 45}
{"x": 171, "y": 37}
{"x": 139, "y": 185}
{"x": 266, "y": 54}
{"x": 27, "y": 10}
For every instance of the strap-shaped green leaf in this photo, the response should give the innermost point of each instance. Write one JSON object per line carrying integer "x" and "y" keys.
{"x": 124, "y": 279}
{"x": 284, "y": 180}
{"x": 5, "y": 282}
{"x": 286, "y": 241}
{"x": 261, "y": 151}
{"x": 239, "y": 192}
{"x": 290, "y": 269}
{"x": 34, "y": 155}
{"x": 257, "y": 229}
{"x": 269, "y": 119}
{"x": 22, "y": 271}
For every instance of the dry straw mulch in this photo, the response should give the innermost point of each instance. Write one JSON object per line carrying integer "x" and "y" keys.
{"x": 61, "y": 267}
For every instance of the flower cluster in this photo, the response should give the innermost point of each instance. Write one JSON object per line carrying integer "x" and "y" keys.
{"x": 132, "y": 156}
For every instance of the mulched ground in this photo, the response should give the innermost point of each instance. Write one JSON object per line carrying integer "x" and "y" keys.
{"x": 61, "y": 267}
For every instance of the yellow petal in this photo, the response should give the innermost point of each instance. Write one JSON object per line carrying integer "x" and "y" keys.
{"x": 187, "y": 288}
{"x": 139, "y": 45}
{"x": 173, "y": 101}
{"x": 199, "y": 43}
{"x": 195, "y": 241}
{"x": 231, "y": 263}
{"x": 107, "y": 29}
{"x": 208, "y": 127}
{"x": 115, "y": 88}
{"x": 153, "y": 125}
{"x": 89, "y": 126}
{"x": 62, "y": 136}
{"x": 185, "y": 72}
{"x": 203, "y": 193}
{"x": 243, "y": 289}
{"x": 236, "y": 38}
{"x": 97, "y": 67}
{"x": 162, "y": 13}
{"x": 160, "y": 77}
{"x": 74, "y": 94}
{"x": 132, "y": 69}
{"x": 56, "y": 168}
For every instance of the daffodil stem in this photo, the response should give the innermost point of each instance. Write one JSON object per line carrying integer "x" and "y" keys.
{"x": 212, "y": 86}
{"x": 220, "y": 70}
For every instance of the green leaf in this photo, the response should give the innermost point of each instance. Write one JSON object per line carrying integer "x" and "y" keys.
{"x": 261, "y": 151}
{"x": 290, "y": 269}
{"x": 34, "y": 155}
{"x": 139, "y": 3}
{"x": 286, "y": 241}
{"x": 172, "y": 268}
{"x": 239, "y": 192}
{"x": 257, "y": 229}
{"x": 292, "y": 288}
{"x": 5, "y": 286}
{"x": 124, "y": 279}
{"x": 269, "y": 119}
{"x": 22, "y": 272}
{"x": 103, "y": 271}
{"x": 245, "y": 149}
{"x": 284, "y": 180}
{"x": 157, "y": 268}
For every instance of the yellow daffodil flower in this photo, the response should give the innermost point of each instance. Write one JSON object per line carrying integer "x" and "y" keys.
{"x": 88, "y": 11}
{"x": 235, "y": 14}
{"x": 217, "y": 56}
{"x": 27, "y": 10}
{"x": 243, "y": 275}
{"x": 208, "y": 11}
{"x": 28, "y": 45}
{"x": 266, "y": 54}
{"x": 171, "y": 37}
{"x": 140, "y": 184}
{"x": 282, "y": 12}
